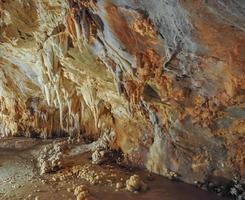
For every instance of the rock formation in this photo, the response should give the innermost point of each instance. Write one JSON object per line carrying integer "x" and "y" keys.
{"x": 166, "y": 76}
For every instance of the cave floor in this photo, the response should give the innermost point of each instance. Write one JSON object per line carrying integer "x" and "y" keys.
{"x": 20, "y": 179}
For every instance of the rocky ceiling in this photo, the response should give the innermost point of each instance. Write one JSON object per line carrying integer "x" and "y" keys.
{"x": 167, "y": 76}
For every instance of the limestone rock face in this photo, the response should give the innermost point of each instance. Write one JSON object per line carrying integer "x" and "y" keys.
{"x": 166, "y": 76}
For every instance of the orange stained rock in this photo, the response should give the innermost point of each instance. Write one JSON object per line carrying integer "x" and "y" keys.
{"x": 137, "y": 35}
{"x": 71, "y": 24}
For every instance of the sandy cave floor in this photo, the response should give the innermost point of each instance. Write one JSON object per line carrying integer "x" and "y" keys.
{"x": 20, "y": 179}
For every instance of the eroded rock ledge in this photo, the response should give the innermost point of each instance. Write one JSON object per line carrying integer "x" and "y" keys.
{"x": 167, "y": 77}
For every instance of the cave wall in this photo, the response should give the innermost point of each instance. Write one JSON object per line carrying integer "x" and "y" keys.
{"x": 167, "y": 76}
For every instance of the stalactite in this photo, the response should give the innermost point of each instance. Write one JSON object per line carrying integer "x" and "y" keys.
{"x": 60, "y": 105}
{"x": 89, "y": 95}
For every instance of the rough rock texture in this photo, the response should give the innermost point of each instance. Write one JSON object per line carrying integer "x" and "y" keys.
{"x": 166, "y": 76}
{"x": 135, "y": 184}
{"x": 82, "y": 193}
